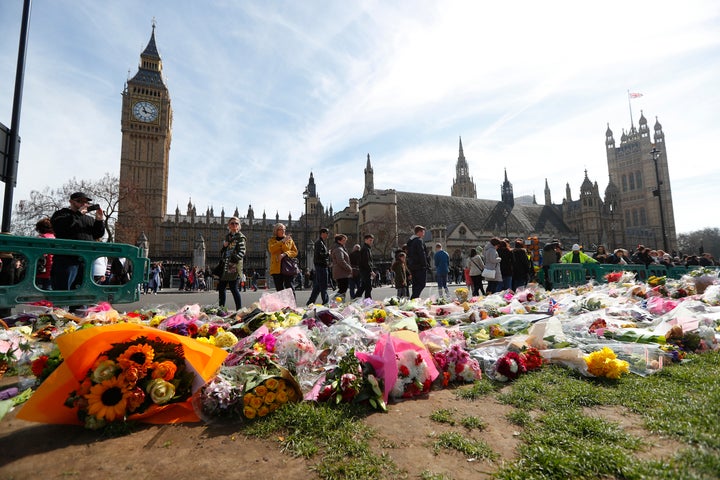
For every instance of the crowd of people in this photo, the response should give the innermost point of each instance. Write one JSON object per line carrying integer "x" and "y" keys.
{"x": 497, "y": 266}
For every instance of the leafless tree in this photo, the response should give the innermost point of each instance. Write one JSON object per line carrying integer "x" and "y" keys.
{"x": 104, "y": 192}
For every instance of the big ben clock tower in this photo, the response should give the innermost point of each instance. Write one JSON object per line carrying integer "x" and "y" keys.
{"x": 144, "y": 156}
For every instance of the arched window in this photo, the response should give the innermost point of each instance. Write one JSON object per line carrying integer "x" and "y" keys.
{"x": 638, "y": 179}
{"x": 624, "y": 183}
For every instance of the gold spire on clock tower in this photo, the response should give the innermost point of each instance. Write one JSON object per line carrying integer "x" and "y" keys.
{"x": 146, "y": 123}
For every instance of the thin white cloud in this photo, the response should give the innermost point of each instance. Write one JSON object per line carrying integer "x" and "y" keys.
{"x": 264, "y": 93}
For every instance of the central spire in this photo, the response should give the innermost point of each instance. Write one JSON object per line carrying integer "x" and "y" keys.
{"x": 463, "y": 185}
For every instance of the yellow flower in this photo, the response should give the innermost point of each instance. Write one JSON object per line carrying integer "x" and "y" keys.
{"x": 249, "y": 412}
{"x": 225, "y": 339}
{"x": 264, "y": 410}
{"x": 604, "y": 363}
{"x": 616, "y": 367}
{"x": 155, "y": 321}
{"x": 269, "y": 397}
{"x": 281, "y": 397}
{"x": 261, "y": 390}
{"x": 108, "y": 400}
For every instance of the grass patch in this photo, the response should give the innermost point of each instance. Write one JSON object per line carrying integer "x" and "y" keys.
{"x": 475, "y": 449}
{"x": 443, "y": 416}
{"x": 334, "y": 436}
{"x": 479, "y": 389}
{"x": 680, "y": 401}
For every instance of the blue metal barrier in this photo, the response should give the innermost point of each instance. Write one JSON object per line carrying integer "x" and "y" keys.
{"x": 25, "y": 290}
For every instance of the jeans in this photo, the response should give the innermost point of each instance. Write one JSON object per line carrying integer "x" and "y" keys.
{"x": 320, "y": 284}
{"x": 233, "y": 284}
{"x": 442, "y": 279}
{"x": 418, "y": 282}
{"x": 65, "y": 272}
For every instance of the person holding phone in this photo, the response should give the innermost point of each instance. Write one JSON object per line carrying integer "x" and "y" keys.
{"x": 281, "y": 245}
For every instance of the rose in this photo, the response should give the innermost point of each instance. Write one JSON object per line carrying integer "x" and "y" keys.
{"x": 38, "y": 365}
{"x": 165, "y": 370}
{"x": 160, "y": 391}
{"x": 104, "y": 371}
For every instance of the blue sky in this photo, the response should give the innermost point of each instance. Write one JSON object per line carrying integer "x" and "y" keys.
{"x": 264, "y": 92}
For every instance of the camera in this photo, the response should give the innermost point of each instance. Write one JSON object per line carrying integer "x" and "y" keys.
{"x": 93, "y": 207}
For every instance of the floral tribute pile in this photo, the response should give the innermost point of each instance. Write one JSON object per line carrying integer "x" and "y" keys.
{"x": 184, "y": 364}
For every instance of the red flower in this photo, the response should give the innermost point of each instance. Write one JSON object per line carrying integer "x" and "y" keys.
{"x": 510, "y": 365}
{"x": 404, "y": 371}
{"x": 192, "y": 330}
{"x": 38, "y": 365}
{"x": 532, "y": 358}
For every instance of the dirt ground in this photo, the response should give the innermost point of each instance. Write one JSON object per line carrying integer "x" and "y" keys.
{"x": 184, "y": 452}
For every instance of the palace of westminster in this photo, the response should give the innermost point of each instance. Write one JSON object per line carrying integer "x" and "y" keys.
{"x": 636, "y": 207}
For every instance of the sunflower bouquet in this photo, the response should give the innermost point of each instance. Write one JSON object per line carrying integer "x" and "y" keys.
{"x": 131, "y": 378}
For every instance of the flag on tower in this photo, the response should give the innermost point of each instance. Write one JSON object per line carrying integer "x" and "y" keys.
{"x": 635, "y": 95}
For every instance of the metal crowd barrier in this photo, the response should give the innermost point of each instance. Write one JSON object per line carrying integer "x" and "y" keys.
{"x": 31, "y": 249}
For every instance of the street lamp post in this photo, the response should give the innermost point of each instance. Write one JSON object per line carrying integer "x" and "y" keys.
{"x": 306, "y": 195}
{"x": 655, "y": 153}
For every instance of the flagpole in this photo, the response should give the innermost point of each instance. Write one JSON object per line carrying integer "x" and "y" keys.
{"x": 630, "y": 107}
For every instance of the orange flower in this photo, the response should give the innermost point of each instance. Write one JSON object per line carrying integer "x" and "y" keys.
{"x": 269, "y": 397}
{"x": 262, "y": 411}
{"x": 272, "y": 383}
{"x": 137, "y": 355}
{"x": 249, "y": 412}
{"x": 281, "y": 396}
{"x": 261, "y": 390}
{"x": 135, "y": 398}
{"x": 247, "y": 399}
{"x": 108, "y": 400}
{"x": 165, "y": 370}
{"x": 256, "y": 402}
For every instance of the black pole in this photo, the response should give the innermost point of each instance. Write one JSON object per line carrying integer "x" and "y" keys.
{"x": 655, "y": 155}
{"x": 14, "y": 137}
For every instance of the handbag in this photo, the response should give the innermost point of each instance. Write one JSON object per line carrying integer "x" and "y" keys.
{"x": 218, "y": 270}
{"x": 488, "y": 274}
{"x": 289, "y": 267}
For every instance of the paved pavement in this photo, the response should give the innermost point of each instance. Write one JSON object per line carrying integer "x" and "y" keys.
{"x": 175, "y": 298}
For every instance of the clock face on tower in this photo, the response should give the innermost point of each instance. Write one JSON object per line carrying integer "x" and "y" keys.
{"x": 145, "y": 111}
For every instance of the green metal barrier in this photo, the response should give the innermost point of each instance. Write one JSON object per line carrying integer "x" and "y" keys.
{"x": 677, "y": 272}
{"x": 32, "y": 249}
{"x": 564, "y": 275}
{"x": 602, "y": 269}
{"x": 657, "y": 270}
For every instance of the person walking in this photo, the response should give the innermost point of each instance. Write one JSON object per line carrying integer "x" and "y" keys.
{"x": 417, "y": 261}
{"x": 232, "y": 254}
{"x": 366, "y": 267}
{"x": 341, "y": 268}
{"x": 400, "y": 275}
{"x": 442, "y": 268}
{"x": 321, "y": 258}
{"x": 476, "y": 266}
{"x": 280, "y": 246}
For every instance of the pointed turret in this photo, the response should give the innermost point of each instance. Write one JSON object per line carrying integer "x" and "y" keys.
{"x": 369, "y": 179}
{"x": 463, "y": 185}
{"x": 548, "y": 201}
{"x": 507, "y": 192}
{"x": 150, "y": 67}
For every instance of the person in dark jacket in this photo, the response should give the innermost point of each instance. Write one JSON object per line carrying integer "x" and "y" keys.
{"x": 522, "y": 267}
{"x": 73, "y": 224}
{"x": 506, "y": 264}
{"x": 366, "y": 267}
{"x": 232, "y": 254}
{"x": 321, "y": 260}
{"x": 417, "y": 261}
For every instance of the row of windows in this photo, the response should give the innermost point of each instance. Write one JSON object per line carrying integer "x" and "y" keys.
{"x": 146, "y": 91}
{"x": 635, "y": 217}
{"x": 632, "y": 181}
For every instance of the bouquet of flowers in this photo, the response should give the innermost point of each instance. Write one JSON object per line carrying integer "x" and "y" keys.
{"x": 509, "y": 367}
{"x": 604, "y": 363}
{"x": 351, "y": 381}
{"x": 456, "y": 365}
{"x": 44, "y": 365}
{"x": 414, "y": 376}
{"x": 244, "y": 392}
{"x": 133, "y": 377}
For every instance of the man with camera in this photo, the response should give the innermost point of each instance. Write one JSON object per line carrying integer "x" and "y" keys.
{"x": 72, "y": 223}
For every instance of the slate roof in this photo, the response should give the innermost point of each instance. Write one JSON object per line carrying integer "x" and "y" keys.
{"x": 481, "y": 216}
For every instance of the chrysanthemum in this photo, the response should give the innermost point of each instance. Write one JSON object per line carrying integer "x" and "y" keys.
{"x": 140, "y": 356}
{"x": 108, "y": 400}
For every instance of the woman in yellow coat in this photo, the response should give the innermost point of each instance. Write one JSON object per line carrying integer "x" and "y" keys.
{"x": 279, "y": 246}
